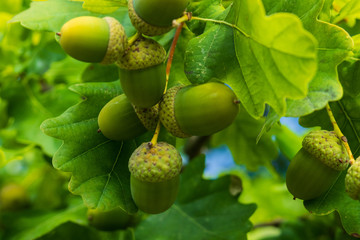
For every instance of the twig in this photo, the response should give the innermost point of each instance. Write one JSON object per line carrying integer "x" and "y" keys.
{"x": 340, "y": 134}
{"x": 168, "y": 68}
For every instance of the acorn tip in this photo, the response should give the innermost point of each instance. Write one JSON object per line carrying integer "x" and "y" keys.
{"x": 59, "y": 34}
{"x": 150, "y": 145}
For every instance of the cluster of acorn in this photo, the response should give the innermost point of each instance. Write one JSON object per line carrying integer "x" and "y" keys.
{"x": 184, "y": 111}
{"x": 318, "y": 164}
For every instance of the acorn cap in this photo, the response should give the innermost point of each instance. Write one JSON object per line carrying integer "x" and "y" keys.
{"x": 167, "y": 113}
{"x": 117, "y": 41}
{"x": 143, "y": 53}
{"x": 352, "y": 180}
{"x": 328, "y": 148}
{"x": 157, "y": 163}
{"x": 142, "y": 26}
{"x": 148, "y": 116}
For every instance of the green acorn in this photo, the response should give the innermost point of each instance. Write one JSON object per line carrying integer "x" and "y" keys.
{"x": 198, "y": 110}
{"x": 93, "y": 39}
{"x": 352, "y": 180}
{"x": 142, "y": 72}
{"x": 118, "y": 120}
{"x": 155, "y": 176}
{"x": 317, "y": 165}
{"x": 155, "y": 17}
{"x": 111, "y": 220}
{"x": 13, "y": 197}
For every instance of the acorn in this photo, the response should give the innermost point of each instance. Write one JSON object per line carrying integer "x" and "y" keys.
{"x": 142, "y": 72}
{"x": 119, "y": 120}
{"x": 14, "y": 197}
{"x": 198, "y": 110}
{"x": 93, "y": 39}
{"x": 352, "y": 180}
{"x": 317, "y": 165}
{"x": 155, "y": 17}
{"x": 112, "y": 220}
{"x": 155, "y": 176}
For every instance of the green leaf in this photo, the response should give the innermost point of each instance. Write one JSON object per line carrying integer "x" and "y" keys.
{"x": 52, "y": 14}
{"x": 276, "y": 54}
{"x": 271, "y": 119}
{"x": 325, "y": 14}
{"x": 98, "y": 165}
{"x": 104, "y": 6}
{"x": 72, "y": 231}
{"x": 334, "y": 45}
{"x": 177, "y": 73}
{"x": 29, "y": 104}
{"x": 241, "y": 138}
{"x": 205, "y": 209}
{"x": 258, "y": 188}
{"x": 350, "y": 12}
{"x": 307, "y": 227}
{"x": 3, "y": 112}
{"x": 11, "y": 6}
{"x": 68, "y": 70}
{"x": 47, "y": 54}
{"x": 34, "y": 224}
{"x": 100, "y": 73}
{"x": 203, "y": 8}
{"x": 350, "y": 70}
{"x": 203, "y": 54}
{"x": 356, "y": 39}
{"x": 289, "y": 143}
{"x": 49, "y": 15}
{"x": 336, "y": 199}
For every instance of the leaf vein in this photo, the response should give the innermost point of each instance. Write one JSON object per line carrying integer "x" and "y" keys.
{"x": 83, "y": 153}
{"x": 196, "y": 223}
